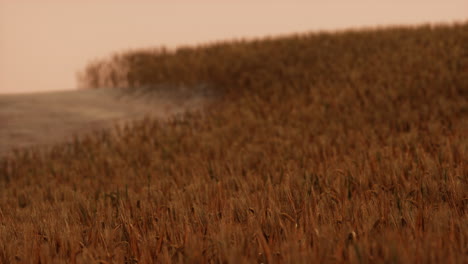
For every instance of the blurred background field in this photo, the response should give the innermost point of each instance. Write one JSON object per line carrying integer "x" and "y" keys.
{"x": 345, "y": 147}
{"x": 39, "y": 120}
{"x": 43, "y": 43}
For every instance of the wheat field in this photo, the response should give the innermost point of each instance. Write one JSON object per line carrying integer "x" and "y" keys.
{"x": 343, "y": 147}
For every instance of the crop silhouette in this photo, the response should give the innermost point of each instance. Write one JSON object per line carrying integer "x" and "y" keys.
{"x": 345, "y": 147}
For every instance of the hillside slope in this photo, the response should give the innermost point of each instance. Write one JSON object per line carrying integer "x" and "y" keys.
{"x": 347, "y": 147}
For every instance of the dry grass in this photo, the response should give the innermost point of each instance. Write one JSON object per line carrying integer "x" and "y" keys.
{"x": 327, "y": 148}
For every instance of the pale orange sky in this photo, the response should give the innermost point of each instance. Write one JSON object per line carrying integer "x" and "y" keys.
{"x": 44, "y": 43}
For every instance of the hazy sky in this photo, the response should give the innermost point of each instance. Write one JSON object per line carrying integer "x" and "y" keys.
{"x": 43, "y": 43}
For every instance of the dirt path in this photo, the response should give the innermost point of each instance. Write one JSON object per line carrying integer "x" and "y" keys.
{"x": 37, "y": 119}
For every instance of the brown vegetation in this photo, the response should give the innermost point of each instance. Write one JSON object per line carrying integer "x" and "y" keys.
{"x": 327, "y": 148}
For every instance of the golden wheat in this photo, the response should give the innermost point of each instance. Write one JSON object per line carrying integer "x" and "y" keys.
{"x": 328, "y": 148}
